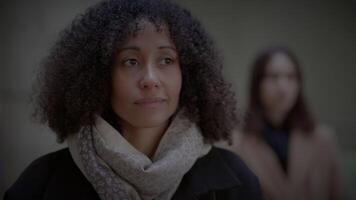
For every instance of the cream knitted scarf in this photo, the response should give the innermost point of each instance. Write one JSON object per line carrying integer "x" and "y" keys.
{"x": 119, "y": 171}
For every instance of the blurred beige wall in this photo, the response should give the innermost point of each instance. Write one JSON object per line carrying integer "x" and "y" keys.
{"x": 322, "y": 33}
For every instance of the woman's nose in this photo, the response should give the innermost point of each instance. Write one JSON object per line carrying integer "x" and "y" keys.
{"x": 149, "y": 79}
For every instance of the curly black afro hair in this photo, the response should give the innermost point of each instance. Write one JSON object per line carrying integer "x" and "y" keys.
{"x": 74, "y": 81}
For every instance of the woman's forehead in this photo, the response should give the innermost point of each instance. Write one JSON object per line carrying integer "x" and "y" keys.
{"x": 141, "y": 24}
{"x": 149, "y": 33}
{"x": 280, "y": 62}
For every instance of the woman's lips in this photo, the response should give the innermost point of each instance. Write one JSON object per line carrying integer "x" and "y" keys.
{"x": 150, "y": 102}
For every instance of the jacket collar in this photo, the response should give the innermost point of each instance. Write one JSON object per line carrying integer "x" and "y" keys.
{"x": 209, "y": 173}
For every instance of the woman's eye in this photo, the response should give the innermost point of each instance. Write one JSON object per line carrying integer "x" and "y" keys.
{"x": 130, "y": 62}
{"x": 292, "y": 77}
{"x": 272, "y": 76}
{"x": 167, "y": 61}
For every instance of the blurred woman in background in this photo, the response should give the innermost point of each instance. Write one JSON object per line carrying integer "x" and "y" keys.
{"x": 293, "y": 156}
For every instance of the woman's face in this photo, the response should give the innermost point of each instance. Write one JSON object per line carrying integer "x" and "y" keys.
{"x": 280, "y": 86}
{"x": 147, "y": 78}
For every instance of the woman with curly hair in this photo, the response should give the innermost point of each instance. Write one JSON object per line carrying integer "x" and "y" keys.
{"x": 293, "y": 156}
{"x": 136, "y": 90}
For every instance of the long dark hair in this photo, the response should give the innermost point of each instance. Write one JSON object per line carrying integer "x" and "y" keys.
{"x": 299, "y": 117}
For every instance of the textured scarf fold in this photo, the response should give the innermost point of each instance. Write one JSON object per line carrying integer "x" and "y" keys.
{"x": 119, "y": 171}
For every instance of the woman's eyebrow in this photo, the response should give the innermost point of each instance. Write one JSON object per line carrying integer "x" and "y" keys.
{"x": 135, "y": 48}
{"x": 167, "y": 47}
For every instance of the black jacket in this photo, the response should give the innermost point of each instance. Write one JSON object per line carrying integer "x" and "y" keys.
{"x": 218, "y": 175}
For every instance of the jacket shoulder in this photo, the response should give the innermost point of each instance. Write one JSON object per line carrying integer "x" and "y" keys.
{"x": 33, "y": 181}
{"x": 221, "y": 174}
{"x": 238, "y": 169}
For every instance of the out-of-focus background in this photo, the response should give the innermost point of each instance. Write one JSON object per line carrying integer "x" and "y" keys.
{"x": 322, "y": 33}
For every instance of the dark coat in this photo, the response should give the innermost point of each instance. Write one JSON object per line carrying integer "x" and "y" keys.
{"x": 218, "y": 175}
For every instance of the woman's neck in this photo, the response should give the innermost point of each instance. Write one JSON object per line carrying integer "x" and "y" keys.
{"x": 276, "y": 119}
{"x": 145, "y": 140}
